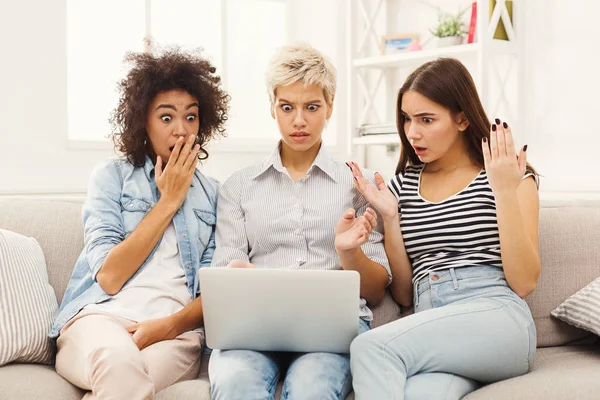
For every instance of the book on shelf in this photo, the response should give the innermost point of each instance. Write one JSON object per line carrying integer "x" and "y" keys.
{"x": 376, "y": 129}
{"x": 473, "y": 24}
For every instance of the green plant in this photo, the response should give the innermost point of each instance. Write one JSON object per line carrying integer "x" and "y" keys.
{"x": 449, "y": 24}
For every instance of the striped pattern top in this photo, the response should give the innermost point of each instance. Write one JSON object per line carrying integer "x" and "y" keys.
{"x": 459, "y": 231}
{"x": 266, "y": 218}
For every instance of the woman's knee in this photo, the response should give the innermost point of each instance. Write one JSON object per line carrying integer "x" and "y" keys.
{"x": 116, "y": 357}
{"x": 249, "y": 385}
{"x": 241, "y": 374}
{"x": 364, "y": 344}
{"x": 323, "y": 386}
{"x": 318, "y": 376}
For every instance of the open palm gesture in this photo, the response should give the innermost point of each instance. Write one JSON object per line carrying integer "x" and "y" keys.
{"x": 380, "y": 197}
{"x": 504, "y": 169}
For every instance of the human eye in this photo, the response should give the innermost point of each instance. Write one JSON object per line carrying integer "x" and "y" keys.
{"x": 191, "y": 117}
{"x": 312, "y": 107}
{"x": 427, "y": 120}
{"x": 286, "y": 107}
{"x": 166, "y": 118}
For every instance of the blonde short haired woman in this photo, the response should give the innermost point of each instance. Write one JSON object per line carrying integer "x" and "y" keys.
{"x": 297, "y": 209}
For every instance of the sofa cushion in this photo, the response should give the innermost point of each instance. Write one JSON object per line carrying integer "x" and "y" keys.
{"x": 56, "y": 225}
{"x": 27, "y": 301}
{"x": 386, "y": 311}
{"x": 558, "y": 373}
{"x": 582, "y": 309}
{"x": 35, "y": 382}
{"x": 568, "y": 245}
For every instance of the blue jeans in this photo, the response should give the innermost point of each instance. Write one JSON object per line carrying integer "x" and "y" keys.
{"x": 469, "y": 328}
{"x": 253, "y": 375}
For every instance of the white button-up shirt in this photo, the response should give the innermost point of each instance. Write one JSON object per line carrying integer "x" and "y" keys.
{"x": 266, "y": 218}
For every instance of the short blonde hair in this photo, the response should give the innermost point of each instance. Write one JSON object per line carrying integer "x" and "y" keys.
{"x": 301, "y": 62}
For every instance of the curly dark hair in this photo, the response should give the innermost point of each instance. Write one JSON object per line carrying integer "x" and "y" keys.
{"x": 153, "y": 74}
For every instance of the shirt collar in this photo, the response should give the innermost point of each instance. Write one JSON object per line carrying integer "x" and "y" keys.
{"x": 149, "y": 169}
{"x": 322, "y": 161}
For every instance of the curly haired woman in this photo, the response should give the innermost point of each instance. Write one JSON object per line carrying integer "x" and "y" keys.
{"x": 126, "y": 326}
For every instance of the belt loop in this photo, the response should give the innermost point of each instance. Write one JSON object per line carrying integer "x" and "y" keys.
{"x": 454, "y": 280}
{"x": 416, "y": 294}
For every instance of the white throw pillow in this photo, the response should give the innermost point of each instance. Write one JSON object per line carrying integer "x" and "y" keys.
{"x": 27, "y": 301}
{"x": 582, "y": 309}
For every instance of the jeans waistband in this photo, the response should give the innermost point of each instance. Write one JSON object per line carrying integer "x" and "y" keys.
{"x": 454, "y": 275}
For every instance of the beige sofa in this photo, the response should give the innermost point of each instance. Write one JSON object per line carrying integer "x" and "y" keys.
{"x": 567, "y": 364}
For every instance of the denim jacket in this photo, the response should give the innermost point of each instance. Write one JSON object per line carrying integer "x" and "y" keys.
{"x": 119, "y": 196}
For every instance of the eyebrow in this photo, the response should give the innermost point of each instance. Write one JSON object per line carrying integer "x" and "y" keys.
{"x": 172, "y": 107}
{"x": 423, "y": 114}
{"x": 308, "y": 102}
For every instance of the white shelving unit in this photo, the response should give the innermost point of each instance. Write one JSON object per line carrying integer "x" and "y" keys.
{"x": 373, "y": 79}
{"x": 386, "y": 138}
{"x": 417, "y": 57}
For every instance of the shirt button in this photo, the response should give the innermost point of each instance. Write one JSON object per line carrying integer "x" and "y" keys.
{"x": 184, "y": 236}
{"x": 435, "y": 277}
{"x": 189, "y": 267}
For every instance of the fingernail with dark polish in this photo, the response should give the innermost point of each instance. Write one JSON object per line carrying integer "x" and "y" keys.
{"x": 494, "y": 127}
{"x": 525, "y": 148}
{"x": 505, "y": 125}
{"x": 484, "y": 140}
{"x": 497, "y": 121}
{"x": 348, "y": 165}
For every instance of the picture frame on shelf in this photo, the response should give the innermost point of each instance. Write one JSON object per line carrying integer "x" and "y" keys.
{"x": 394, "y": 44}
{"x": 500, "y": 32}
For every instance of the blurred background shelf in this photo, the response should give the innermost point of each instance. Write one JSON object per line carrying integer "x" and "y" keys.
{"x": 417, "y": 57}
{"x": 388, "y": 138}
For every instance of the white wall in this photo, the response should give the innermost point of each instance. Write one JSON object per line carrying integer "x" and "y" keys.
{"x": 561, "y": 83}
{"x": 33, "y": 142}
{"x": 36, "y": 155}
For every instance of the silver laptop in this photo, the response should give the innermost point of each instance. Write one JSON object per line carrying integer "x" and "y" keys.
{"x": 280, "y": 309}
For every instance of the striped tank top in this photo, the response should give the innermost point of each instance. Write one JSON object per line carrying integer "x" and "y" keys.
{"x": 460, "y": 231}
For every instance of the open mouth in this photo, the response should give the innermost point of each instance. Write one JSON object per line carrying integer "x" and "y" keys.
{"x": 299, "y": 136}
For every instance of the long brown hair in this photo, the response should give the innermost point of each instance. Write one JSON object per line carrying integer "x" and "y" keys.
{"x": 447, "y": 82}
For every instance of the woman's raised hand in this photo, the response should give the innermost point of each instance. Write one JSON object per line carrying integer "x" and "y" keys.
{"x": 352, "y": 232}
{"x": 174, "y": 181}
{"x": 380, "y": 197}
{"x": 504, "y": 168}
